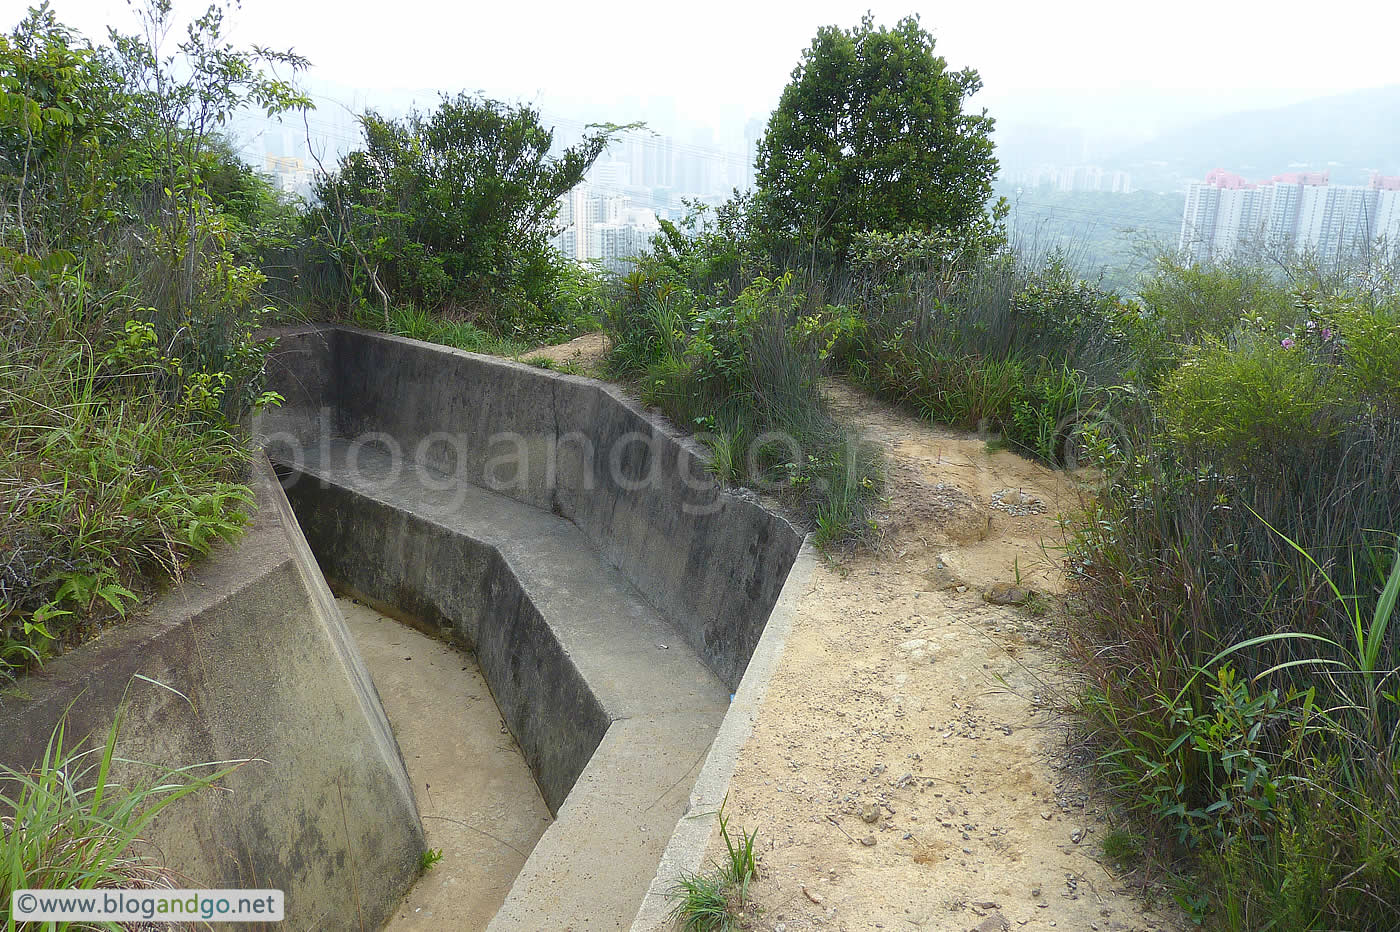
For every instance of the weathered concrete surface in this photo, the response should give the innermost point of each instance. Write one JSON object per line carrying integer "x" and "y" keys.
{"x": 685, "y": 849}
{"x": 612, "y": 591}
{"x": 710, "y": 560}
{"x": 254, "y": 642}
{"x": 480, "y": 807}
{"x": 565, "y": 643}
{"x": 594, "y": 865}
{"x": 612, "y": 710}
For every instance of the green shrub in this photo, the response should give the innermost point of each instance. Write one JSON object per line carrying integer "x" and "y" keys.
{"x": 1185, "y": 304}
{"x": 743, "y": 374}
{"x": 1368, "y": 341}
{"x": 1233, "y": 407}
{"x": 117, "y": 464}
{"x": 415, "y": 323}
{"x": 452, "y": 209}
{"x": 1276, "y": 767}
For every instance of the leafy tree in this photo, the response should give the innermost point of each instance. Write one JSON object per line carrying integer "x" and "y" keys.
{"x": 179, "y": 101}
{"x": 453, "y": 209}
{"x": 112, "y": 161}
{"x": 61, "y": 136}
{"x": 870, "y": 135}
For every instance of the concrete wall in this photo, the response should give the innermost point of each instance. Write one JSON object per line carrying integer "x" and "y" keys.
{"x": 711, "y": 561}
{"x": 254, "y": 642}
{"x": 451, "y": 583}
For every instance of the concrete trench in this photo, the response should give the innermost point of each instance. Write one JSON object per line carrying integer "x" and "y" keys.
{"x": 612, "y": 595}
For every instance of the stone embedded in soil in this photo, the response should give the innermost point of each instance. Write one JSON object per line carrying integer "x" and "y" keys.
{"x": 1006, "y": 594}
{"x": 870, "y": 813}
{"x": 996, "y": 922}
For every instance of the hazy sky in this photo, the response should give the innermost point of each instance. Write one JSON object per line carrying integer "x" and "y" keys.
{"x": 1101, "y": 64}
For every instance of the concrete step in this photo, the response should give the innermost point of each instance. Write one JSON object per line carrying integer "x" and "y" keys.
{"x": 609, "y": 703}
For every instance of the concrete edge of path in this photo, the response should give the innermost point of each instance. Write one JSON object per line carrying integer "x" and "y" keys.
{"x": 685, "y": 852}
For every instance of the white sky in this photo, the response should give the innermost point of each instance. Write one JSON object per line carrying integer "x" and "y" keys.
{"x": 1098, "y": 64}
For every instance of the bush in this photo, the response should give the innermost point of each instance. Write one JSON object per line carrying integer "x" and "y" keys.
{"x": 129, "y": 301}
{"x": 452, "y": 210}
{"x": 744, "y": 376}
{"x": 117, "y": 464}
{"x": 1234, "y": 407}
{"x": 1234, "y": 681}
{"x": 1368, "y": 341}
{"x": 984, "y": 340}
{"x": 1187, "y": 304}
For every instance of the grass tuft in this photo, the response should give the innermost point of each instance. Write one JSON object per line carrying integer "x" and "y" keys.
{"x": 70, "y": 825}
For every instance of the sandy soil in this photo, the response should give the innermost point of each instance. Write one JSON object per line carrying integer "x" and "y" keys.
{"x": 582, "y": 354}
{"x": 480, "y": 806}
{"x": 907, "y": 769}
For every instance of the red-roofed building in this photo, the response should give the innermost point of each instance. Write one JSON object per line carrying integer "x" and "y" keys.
{"x": 1297, "y": 211}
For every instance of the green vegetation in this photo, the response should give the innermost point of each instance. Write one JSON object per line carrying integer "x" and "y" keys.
{"x": 70, "y": 824}
{"x": 1239, "y": 571}
{"x": 1110, "y": 236}
{"x": 871, "y": 135}
{"x": 405, "y": 320}
{"x": 740, "y": 367}
{"x": 428, "y": 858}
{"x": 714, "y": 901}
{"x": 135, "y": 250}
{"x": 452, "y": 210}
{"x": 1236, "y": 571}
{"x": 129, "y": 296}
{"x": 983, "y": 339}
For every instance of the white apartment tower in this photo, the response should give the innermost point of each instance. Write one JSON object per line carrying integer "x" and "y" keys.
{"x": 1300, "y": 211}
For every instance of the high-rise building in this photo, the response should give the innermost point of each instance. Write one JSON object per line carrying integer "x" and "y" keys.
{"x": 595, "y": 223}
{"x": 291, "y": 174}
{"x": 1387, "y": 208}
{"x": 1299, "y": 211}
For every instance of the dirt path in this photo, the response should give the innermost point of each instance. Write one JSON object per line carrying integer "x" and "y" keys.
{"x": 905, "y": 698}
{"x": 905, "y": 769}
{"x": 583, "y": 354}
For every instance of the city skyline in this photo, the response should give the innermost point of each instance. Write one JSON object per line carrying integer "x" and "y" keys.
{"x": 1300, "y": 212}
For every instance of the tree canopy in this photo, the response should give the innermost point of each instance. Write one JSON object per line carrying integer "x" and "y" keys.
{"x": 454, "y": 208}
{"x": 871, "y": 135}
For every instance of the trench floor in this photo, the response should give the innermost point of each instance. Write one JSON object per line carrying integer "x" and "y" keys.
{"x": 479, "y": 804}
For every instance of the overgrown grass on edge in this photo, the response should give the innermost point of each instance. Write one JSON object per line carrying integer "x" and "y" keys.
{"x": 744, "y": 377}
{"x": 70, "y": 825}
{"x": 107, "y": 488}
{"x": 714, "y": 900}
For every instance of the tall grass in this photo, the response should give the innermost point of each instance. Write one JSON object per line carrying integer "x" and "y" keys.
{"x": 997, "y": 341}
{"x": 714, "y": 900}
{"x": 70, "y": 825}
{"x": 745, "y": 377}
{"x": 417, "y": 324}
{"x": 1239, "y": 573}
{"x": 109, "y": 486}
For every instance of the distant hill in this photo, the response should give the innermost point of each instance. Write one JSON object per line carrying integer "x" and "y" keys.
{"x": 1350, "y": 134}
{"x": 1106, "y": 237}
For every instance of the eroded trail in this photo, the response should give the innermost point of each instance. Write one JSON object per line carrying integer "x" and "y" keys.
{"x": 906, "y": 770}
